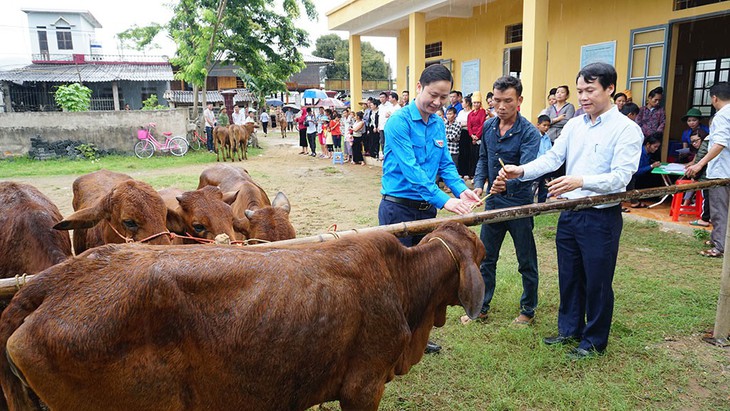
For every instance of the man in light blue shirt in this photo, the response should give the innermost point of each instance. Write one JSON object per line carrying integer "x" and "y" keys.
{"x": 601, "y": 150}
{"x": 718, "y": 166}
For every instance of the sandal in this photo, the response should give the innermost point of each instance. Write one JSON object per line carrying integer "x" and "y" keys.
{"x": 523, "y": 320}
{"x": 709, "y": 243}
{"x": 699, "y": 223}
{"x": 712, "y": 252}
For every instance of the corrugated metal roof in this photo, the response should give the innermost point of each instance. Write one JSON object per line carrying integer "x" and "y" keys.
{"x": 91, "y": 73}
{"x": 186, "y": 97}
{"x": 314, "y": 59}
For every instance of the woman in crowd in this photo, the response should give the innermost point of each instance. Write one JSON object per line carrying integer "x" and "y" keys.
{"x": 372, "y": 140}
{"x": 619, "y": 99}
{"x": 464, "y": 140}
{"x": 651, "y": 145}
{"x": 550, "y": 100}
{"x": 302, "y": 124}
{"x": 265, "y": 120}
{"x": 651, "y": 117}
{"x": 560, "y": 112}
{"x": 474, "y": 124}
{"x": 704, "y": 220}
{"x": 357, "y": 131}
{"x": 693, "y": 118}
{"x": 336, "y": 131}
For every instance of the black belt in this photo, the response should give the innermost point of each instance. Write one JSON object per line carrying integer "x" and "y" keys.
{"x": 420, "y": 205}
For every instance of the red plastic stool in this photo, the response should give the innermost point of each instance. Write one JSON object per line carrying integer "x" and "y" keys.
{"x": 677, "y": 208}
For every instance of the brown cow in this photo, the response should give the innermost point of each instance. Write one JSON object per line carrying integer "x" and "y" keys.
{"x": 28, "y": 242}
{"x": 111, "y": 207}
{"x": 134, "y": 327}
{"x": 203, "y": 213}
{"x": 281, "y": 119}
{"x": 222, "y": 142}
{"x": 237, "y": 137}
{"x": 266, "y": 220}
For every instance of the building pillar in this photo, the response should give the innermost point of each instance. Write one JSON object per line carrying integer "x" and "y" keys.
{"x": 115, "y": 95}
{"x": 355, "y": 71}
{"x": 534, "y": 57}
{"x": 416, "y": 49}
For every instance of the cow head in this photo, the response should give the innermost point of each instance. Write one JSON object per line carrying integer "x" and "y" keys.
{"x": 205, "y": 213}
{"x": 133, "y": 209}
{"x": 270, "y": 223}
{"x": 468, "y": 251}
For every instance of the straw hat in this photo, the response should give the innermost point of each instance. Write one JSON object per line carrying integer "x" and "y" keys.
{"x": 476, "y": 96}
{"x": 693, "y": 112}
{"x": 628, "y": 94}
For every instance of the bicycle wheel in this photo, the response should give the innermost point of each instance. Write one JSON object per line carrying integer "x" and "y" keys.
{"x": 178, "y": 146}
{"x": 144, "y": 149}
{"x": 194, "y": 142}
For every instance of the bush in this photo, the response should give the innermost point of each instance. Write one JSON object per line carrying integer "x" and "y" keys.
{"x": 73, "y": 97}
{"x": 152, "y": 104}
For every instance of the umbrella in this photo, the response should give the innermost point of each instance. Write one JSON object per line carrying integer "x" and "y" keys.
{"x": 330, "y": 102}
{"x": 292, "y": 107}
{"x": 314, "y": 93}
{"x": 274, "y": 102}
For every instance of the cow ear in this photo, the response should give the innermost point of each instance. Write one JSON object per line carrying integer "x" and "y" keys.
{"x": 230, "y": 197}
{"x": 281, "y": 201}
{"x": 175, "y": 222}
{"x": 84, "y": 218}
{"x": 241, "y": 225}
{"x": 471, "y": 287}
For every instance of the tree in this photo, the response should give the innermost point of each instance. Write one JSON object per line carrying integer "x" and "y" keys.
{"x": 331, "y": 46}
{"x": 73, "y": 97}
{"x": 139, "y": 38}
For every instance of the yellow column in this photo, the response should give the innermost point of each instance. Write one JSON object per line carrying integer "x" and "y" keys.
{"x": 416, "y": 49}
{"x": 534, "y": 57}
{"x": 355, "y": 72}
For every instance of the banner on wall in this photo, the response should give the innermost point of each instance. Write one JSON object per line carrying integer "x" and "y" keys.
{"x": 469, "y": 76}
{"x": 598, "y": 53}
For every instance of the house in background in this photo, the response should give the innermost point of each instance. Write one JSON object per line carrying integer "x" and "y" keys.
{"x": 678, "y": 44}
{"x": 64, "y": 50}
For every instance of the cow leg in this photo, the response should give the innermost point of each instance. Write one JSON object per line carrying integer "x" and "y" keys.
{"x": 362, "y": 391}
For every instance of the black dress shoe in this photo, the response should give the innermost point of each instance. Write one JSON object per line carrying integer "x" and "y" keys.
{"x": 559, "y": 339}
{"x": 580, "y": 354}
{"x": 432, "y": 348}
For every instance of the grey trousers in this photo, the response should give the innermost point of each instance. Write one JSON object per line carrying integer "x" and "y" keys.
{"x": 719, "y": 198}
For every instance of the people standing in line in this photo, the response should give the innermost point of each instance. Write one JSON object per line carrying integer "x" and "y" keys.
{"x": 265, "y": 118}
{"x": 508, "y": 138}
{"x": 619, "y": 99}
{"x": 693, "y": 118}
{"x": 651, "y": 117}
{"x": 312, "y": 125}
{"x": 540, "y": 185}
{"x": 209, "y": 124}
{"x": 601, "y": 151}
{"x": 289, "y": 115}
{"x": 550, "y": 101}
{"x": 302, "y": 126}
{"x": 475, "y": 124}
{"x": 560, "y": 112}
{"x": 462, "y": 118}
{"x": 357, "y": 132}
{"x": 717, "y": 161}
{"x": 415, "y": 152}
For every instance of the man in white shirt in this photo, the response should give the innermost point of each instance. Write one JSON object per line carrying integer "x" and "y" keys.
{"x": 209, "y": 124}
{"x": 718, "y": 166}
{"x": 389, "y": 105}
{"x": 238, "y": 117}
{"x": 601, "y": 150}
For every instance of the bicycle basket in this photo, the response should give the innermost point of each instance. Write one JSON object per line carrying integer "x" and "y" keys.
{"x": 142, "y": 134}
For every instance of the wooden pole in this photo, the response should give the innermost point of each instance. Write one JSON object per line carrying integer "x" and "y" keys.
{"x": 9, "y": 286}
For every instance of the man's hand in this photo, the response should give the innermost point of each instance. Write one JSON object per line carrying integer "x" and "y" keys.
{"x": 692, "y": 170}
{"x": 564, "y": 184}
{"x": 470, "y": 196}
{"x": 498, "y": 186}
{"x": 656, "y": 164}
{"x": 457, "y": 206}
{"x": 510, "y": 171}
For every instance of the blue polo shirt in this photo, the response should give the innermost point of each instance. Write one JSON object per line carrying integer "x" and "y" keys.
{"x": 415, "y": 152}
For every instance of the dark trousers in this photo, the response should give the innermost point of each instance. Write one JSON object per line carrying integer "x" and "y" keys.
{"x": 303, "y": 138}
{"x": 464, "y": 153}
{"x": 375, "y": 144}
{"x": 473, "y": 159}
{"x": 391, "y": 213}
{"x": 492, "y": 236}
{"x": 209, "y": 135}
{"x": 357, "y": 149}
{"x": 587, "y": 245}
{"x": 337, "y": 142}
{"x": 719, "y": 198}
{"x": 265, "y": 125}
{"x": 312, "y": 138}
{"x": 705, "y": 206}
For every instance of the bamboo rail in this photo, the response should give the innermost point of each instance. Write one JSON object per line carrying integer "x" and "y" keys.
{"x": 9, "y": 286}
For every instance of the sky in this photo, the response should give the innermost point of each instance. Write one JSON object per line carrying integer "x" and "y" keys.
{"x": 118, "y": 16}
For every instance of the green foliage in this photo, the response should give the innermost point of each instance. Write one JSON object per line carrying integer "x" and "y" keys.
{"x": 331, "y": 46}
{"x": 152, "y": 104}
{"x": 89, "y": 151}
{"x": 140, "y": 38}
{"x": 701, "y": 234}
{"x": 73, "y": 97}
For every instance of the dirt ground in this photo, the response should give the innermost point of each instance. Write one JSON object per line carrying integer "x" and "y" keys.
{"x": 321, "y": 193}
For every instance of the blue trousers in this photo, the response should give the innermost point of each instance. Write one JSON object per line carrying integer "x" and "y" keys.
{"x": 492, "y": 236}
{"x": 209, "y": 135}
{"x": 587, "y": 245}
{"x": 391, "y": 213}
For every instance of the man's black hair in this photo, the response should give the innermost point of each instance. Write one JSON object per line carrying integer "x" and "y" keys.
{"x": 630, "y": 108}
{"x": 506, "y": 82}
{"x": 721, "y": 90}
{"x": 382, "y": 93}
{"x": 434, "y": 73}
{"x": 309, "y": 110}
{"x": 457, "y": 92}
{"x": 604, "y": 73}
{"x": 490, "y": 95}
{"x": 451, "y": 110}
{"x": 405, "y": 91}
{"x": 543, "y": 118}
{"x": 654, "y": 138}
{"x": 394, "y": 95}
{"x": 376, "y": 102}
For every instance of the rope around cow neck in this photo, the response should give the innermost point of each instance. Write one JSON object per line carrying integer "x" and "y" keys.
{"x": 129, "y": 240}
{"x": 447, "y": 249}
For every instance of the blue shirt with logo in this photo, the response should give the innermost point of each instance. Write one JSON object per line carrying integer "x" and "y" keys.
{"x": 415, "y": 152}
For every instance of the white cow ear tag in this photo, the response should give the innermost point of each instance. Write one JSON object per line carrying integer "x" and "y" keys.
{"x": 440, "y": 143}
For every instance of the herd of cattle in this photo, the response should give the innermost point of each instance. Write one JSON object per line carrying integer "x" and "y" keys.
{"x": 232, "y": 140}
{"x": 159, "y": 324}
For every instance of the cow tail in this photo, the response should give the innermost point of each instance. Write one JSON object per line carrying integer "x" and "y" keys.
{"x": 13, "y": 383}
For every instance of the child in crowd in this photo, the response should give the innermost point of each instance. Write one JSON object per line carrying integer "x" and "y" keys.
{"x": 346, "y": 125}
{"x": 630, "y": 110}
{"x": 336, "y": 132}
{"x": 440, "y": 113}
{"x": 539, "y": 188}
{"x": 453, "y": 133}
{"x": 328, "y": 144}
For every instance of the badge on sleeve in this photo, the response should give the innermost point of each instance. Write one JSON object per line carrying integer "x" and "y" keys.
{"x": 440, "y": 143}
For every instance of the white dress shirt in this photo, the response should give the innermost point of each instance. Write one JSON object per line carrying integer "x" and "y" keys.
{"x": 605, "y": 153}
{"x": 719, "y": 167}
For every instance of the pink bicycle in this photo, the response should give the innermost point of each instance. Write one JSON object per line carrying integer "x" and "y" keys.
{"x": 148, "y": 144}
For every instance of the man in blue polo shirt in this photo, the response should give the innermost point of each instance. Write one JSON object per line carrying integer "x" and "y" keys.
{"x": 415, "y": 152}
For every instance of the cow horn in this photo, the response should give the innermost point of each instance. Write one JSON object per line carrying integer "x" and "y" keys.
{"x": 249, "y": 214}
